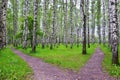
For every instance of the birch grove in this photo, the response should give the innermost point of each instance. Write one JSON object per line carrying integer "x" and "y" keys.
{"x": 51, "y": 23}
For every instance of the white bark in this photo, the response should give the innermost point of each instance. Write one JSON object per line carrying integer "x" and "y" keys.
{"x": 114, "y": 26}
{"x": 25, "y": 32}
{"x": 104, "y": 21}
{"x": 35, "y": 25}
{"x": 3, "y": 12}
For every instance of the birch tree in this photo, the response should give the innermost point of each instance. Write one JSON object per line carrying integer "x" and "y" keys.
{"x": 3, "y": 12}
{"x": 76, "y": 24}
{"x": 25, "y": 32}
{"x": 65, "y": 5}
{"x": 115, "y": 30}
{"x": 104, "y": 22}
{"x": 15, "y": 19}
{"x": 109, "y": 27}
{"x": 84, "y": 27}
{"x": 53, "y": 36}
{"x": 35, "y": 26}
{"x": 71, "y": 23}
{"x": 88, "y": 27}
{"x": 44, "y": 22}
{"x": 93, "y": 21}
{"x": 98, "y": 19}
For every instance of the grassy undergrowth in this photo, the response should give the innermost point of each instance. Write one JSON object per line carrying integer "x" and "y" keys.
{"x": 63, "y": 57}
{"x": 12, "y": 67}
{"x": 113, "y": 70}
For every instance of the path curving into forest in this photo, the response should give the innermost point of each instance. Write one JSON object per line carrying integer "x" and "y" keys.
{"x": 93, "y": 69}
{"x": 44, "y": 71}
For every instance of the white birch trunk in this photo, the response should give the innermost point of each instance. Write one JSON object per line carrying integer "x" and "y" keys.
{"x": 35, "y": 26}
{"x": 114, "y": 26}
{"x": 25, "y": 32}
{"x": 3, "y": 12}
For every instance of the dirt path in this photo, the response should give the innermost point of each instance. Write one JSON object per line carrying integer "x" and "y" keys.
{"x": 42, "y": 70}
{"x": 91, "y": 71}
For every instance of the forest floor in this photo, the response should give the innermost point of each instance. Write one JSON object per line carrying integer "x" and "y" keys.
{"x": 91, "y": 71}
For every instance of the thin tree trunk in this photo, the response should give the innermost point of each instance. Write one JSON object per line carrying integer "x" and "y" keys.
{"x": 104, "y": 22}
{"x": 71, "y": 23}
{"x": 93, "y": 23}
{"x": 78, "y": 37}
{"x": 84, "y": 27}
{"x": 109, "y": 27}
{"x": 98, "y": 19}
{"x": 35, "y": 26}
{"x": 65, "y": 22}
{"x": 76, "y": 25}
{"x": 87, "y": 5}
{"x": 54, "y": 25}
{"x": 25, "y": 32}
{"x": 15, "y": 20}
{"x": 44, "y": 24}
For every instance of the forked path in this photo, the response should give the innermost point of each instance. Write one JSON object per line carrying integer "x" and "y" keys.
{"x": 42, "y": 70}
{"x": 91, "y": 71}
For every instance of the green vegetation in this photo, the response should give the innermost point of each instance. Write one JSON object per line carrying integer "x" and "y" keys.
{"x": 63, "y": 57}
{"x": 113, "y": 70}
{"x": 12, "y": 67}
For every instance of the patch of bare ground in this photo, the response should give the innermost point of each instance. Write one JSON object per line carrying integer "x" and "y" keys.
{"x": 44, "y": 71}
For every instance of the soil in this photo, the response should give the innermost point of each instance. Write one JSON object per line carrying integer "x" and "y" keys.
{"x": 44, "y": 71}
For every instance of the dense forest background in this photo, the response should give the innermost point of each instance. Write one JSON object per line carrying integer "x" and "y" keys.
{"x": 51, "y": 22}
{"x": 64, "y": 33}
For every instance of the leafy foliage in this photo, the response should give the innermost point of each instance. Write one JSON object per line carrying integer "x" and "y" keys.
{"x": 30, "y": 29}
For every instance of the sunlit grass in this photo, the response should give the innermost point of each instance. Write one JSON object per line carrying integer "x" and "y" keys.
{"x": 113, "y": 70}
{"x": 12, "y": 67}
{"x": 63, "y": 57}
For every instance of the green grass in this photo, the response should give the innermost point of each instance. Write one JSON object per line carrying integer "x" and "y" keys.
{"x": 113, "y": 70}
{"x": 12, "y": 67}
{"x": 63, "y": 57}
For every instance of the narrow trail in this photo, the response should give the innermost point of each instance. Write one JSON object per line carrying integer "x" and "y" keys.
{"x": 42, "y": 70}
{"x": 91, "y": 71}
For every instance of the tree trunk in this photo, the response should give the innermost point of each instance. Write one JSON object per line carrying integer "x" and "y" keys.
{"x": 15, "y": 20}
{"x": 78, "y": 37}
{"x": 98, "y": 19}
{"x": 104, "y": 22}
{"x": 93, "y": 23}
{"x": 3, "y": 11}
{"x": 65, "y": 23}
{"x": 35, "y": 26}
{"x": 109, "y": 27}
{"x": 54, "y": 25}
{"x": 71, "y": 23}
{"x": 44, "y": 24}
{"x": 114, "y": 27}
{"x": 84, "y": 27}
{"x": 25, "y": 32}
{"x": 87, "y": 6}
{"x": 76, "y": 24}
